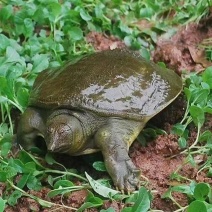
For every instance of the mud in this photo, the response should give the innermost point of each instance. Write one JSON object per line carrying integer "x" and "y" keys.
{"x": 183, "y": 51}
{"x": 103, "y": 42}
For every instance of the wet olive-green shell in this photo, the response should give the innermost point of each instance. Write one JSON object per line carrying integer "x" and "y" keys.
{"x": 116, "y": 82}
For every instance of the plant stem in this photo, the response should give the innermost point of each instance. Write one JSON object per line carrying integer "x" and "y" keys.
{"x": 195, "y": 142}
{"x": 10, "y": 120}
{"x": 175, "y": 202}
{"x": 186, "y": 113}
{"x": 181, "y": 209}
{"x": 62, "y": 172}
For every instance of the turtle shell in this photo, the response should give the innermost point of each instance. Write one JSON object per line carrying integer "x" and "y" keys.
{"x": 110, "y": 83}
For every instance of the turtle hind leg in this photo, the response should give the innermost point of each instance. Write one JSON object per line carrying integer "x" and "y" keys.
{"x": 31, "y": 129}
{"x": 114, "y": 140}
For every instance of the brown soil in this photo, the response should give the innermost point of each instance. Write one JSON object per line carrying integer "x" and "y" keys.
{"x": 103, "y": 42}
{"x": 179, "y": 53}
{"x": 183, "y": 51}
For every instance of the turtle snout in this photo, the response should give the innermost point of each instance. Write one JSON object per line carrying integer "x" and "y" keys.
{"x": 52, "y": 147}
{"x": 57, "y": 147}
{"x": 54, "y": 144}
{"x": 57, "y": 143}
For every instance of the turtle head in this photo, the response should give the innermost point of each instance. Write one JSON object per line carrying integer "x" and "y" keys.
{"x": 64, "y": 134}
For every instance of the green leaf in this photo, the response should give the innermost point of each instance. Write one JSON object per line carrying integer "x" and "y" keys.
{"x": 142, "y": 203}
{"x": 62, "y": 187}
{"x": 128, "y": 40}
{"x": 108, "y": 210}
{"x": 15, "y": 72}
{"x": 124, "y": 28}
{"x": 49, "y": 158}
{"x": 132, "y": 198}
{"x": 146, "y": 12}
{"x": 34, "y": 183}
{"x": 63, "y": 183}
{"x": 16, "y": 164}
{"x": 100, "y": 189}
{"x": 199, "y": 96}
{"x": 145, "y": 53}
{"x": 23, "y": 180}
{"x": 22, "y": 97}
{"x": 99, "y": 166}
{"x": 178, "y": 129}
{"x": 44, "y": 203}
{"x": 207, "y": 109}
{"x": 93, "y": 27}
{"x": 208, "y": 206}
{"x": 55, "y": 9}
{"x": 99, "y": 10}
{"x": 50, "y": 180}
{"x": 6, "y": 12}
{"x": 127, "y": 209}
{"x": 4, "y": 129}
{"x": 13, "y": 198}
{"x": 182, "y": 142}
{"x": 2, "y": 204}
{"x": 142, "y": 140}
{"x": 90, "y": 202}
{"x": 26, "y": 157}
{"x": 207, "y": 76}
{"x": 5, "y": 149}
{"x": 5, "y": 42}
{"x": 85, "y": 15}
{"x": 209, "y": 174}
{"x": 3, "y": 176}
{"x": 197, "y": 114}
{"x": 28, "y": 27}
{"x": 11, "y": 172}
{"x": 59, "y": 191}
{"x": 75, "y": 33}
{"x": 185, "y": 189}
{"x": 187, "y": 93}
{"x": 197, "y": 206}
{"x": 190, "y": 159}
{"x": 205, "y": 85}
{"x": 206, "y": 136}
{"x": 195, "y": 79}
{"x": 3, "y": 99}
{"x": 40, "y": 63}
{"x": 29, "y": 167}
{"x": 149, "y": 132}
{"x": 5, "y": 145}
{"x": 201, "y": 191}
{"x": 12, "y": 55}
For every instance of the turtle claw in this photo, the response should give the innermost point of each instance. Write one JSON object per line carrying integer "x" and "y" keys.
{"x": 126, "y": 179}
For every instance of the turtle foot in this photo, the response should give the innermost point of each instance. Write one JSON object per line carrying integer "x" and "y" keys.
{"x": 125, "y": 175}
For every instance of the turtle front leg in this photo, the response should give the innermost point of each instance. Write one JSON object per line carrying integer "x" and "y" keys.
{"x": 31, "y": 127}
{"x": 114, "y": 140}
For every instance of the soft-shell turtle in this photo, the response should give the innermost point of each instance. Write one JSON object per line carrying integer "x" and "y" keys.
{"x": 100, "y": 102}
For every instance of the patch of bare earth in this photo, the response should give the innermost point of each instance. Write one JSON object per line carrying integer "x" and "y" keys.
{"x": 102, "y": 42}
{"x": 180, "y": 52}
{"x": 183, "y": 51}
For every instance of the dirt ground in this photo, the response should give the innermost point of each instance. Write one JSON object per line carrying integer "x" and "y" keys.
{"x": 181, "y": 52}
